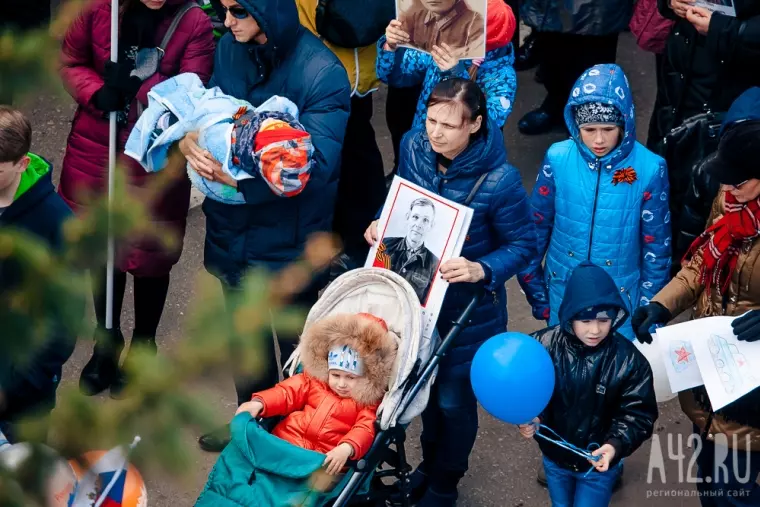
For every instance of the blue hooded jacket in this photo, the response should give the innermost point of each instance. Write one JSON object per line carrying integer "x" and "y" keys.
{"x": 409, "y": 67}
{"x": 582, "y": 213}
{"x": 602, "y": 394}
{"x": 501, "y": 235}
{"x": 271, "y": 231}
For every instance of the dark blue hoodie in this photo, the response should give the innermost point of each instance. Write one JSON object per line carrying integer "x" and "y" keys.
{"x": 31, "y": 386}
{"x": 271, "y": 231}
{"x": 602, "y": 394}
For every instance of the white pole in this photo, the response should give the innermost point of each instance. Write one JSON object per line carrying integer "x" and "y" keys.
{"x": 111, "y": 169}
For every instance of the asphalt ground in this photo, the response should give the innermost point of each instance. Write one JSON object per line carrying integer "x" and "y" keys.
{"x": 503, "y": 465}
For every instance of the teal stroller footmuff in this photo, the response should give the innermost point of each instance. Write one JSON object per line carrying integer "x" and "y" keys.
{"x": 260, "y": 469}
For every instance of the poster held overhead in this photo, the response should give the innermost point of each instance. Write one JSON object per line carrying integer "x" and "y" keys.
{"x": 458, "y": 23}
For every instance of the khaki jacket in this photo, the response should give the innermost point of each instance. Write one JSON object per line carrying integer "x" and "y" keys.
{"x": 685, "y": 291}
{"x": 359, "y": 63}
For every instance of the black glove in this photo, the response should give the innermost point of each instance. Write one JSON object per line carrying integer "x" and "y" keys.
{"x": 645, "y": 317}
{"x": 747, "y": 327}
{"x": 108, "y": 99}
{"x": 117, "y": 76}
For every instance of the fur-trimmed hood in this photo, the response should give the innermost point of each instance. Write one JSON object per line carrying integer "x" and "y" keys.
{"x": 374, "y": 344}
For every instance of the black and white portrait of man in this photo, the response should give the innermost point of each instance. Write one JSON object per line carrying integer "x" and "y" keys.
{"x": 408, "y": 255}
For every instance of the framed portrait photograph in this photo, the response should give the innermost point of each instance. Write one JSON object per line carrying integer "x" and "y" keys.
{"x": 459, "y": 23}
{"x": 418, "y": 231}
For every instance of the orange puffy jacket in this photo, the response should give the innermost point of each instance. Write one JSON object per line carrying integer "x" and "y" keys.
{"x": 316, "y": 417}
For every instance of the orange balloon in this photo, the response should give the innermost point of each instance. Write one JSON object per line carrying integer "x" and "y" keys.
{"x": 135, "y": 493}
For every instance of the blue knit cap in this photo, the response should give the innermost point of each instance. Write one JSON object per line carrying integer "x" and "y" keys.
{"x": 597, "y": 112}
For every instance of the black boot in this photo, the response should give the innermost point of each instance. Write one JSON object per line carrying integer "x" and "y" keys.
{"x": 120, "y": 383}
{"x": 103, "y": 367}
{"x": 418, "y": 485}
{"x": 528, "y": 54}
{"x": 215, "y": 441}
{"x": 539, "y": 121}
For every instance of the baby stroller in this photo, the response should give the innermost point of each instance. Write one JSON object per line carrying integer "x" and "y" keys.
{"x": 277, "y": 465}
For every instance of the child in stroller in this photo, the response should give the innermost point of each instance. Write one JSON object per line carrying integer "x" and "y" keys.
{"x": 258, "y": 469}
{"x": 331, "y": 407}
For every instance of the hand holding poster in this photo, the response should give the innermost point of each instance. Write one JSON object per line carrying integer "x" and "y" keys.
{"x": 723, "y": 6}
{"x": 460, "y": 24}
{"x": 418, "y": 231}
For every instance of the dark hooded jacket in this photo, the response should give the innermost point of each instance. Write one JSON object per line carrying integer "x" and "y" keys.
{"x": 603, "y": 394}
{"x": 704, "y": 188}
{"x": 37, "y": 210}
{"x": 271, "y": 231}
{"x": 704, "y": 72}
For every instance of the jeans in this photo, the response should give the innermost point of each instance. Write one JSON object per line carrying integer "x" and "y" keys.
{"x": 733, "y": 481}
{"x": 576, "y": 489}
{"x": 449, "y": 428}
{"x": 400, "y": 108}
{"x": 565, "y": 57}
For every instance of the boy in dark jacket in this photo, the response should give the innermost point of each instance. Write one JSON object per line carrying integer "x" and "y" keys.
{"x": 28, "y": 203}
{"x": 603, "y": 396}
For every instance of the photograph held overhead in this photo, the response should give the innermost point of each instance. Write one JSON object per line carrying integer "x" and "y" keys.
{"x": 457, "y": 24}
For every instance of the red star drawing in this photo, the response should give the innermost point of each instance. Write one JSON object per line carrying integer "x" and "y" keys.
{"x": 683, "y": 355}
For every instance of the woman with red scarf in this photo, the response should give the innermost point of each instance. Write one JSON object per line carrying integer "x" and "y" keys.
{"x": 721, "y": 276}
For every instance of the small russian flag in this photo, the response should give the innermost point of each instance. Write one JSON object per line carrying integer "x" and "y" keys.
{"x": 114, "y": 496}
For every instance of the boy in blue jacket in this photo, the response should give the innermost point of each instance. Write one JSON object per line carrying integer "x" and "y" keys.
{"x": 600, "y": 196}
{"x": 603, "y": 397}
{"x": 28, "y": 203}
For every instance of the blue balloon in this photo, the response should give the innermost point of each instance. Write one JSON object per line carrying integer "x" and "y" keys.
{"x": 512, "y": 375}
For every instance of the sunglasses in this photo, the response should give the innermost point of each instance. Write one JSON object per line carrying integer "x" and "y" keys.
{"x": 237, "y": 11}
{"x": 738, "y": 185}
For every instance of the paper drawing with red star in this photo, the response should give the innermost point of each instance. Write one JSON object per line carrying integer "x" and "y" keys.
{"x": 681, "y": 355}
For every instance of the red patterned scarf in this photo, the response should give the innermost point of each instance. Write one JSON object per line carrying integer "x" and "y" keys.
{"x": 721, "y": 242}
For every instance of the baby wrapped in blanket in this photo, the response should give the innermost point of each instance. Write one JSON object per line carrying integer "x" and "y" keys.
{"x": 264, "y": 142}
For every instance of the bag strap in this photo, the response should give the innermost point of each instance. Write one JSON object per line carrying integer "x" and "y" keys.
{"x": 175, "y": 22}
{"x": 474, "y": 190}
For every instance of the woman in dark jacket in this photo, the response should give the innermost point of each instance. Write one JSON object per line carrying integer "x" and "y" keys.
{"x": 267, "y": 52}
{"x": 721, "y": 276}
{"x": 709, "y": 60}
{"x": 100, "y": 87}
{"x": 448, "y": 156}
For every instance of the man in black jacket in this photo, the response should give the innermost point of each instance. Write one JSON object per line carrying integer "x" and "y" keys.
{"x": 603, "y": 395}
{"x": 710, "y": 60}
{"x": 28, "y": 204}
{"x": 704, "y": 187}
